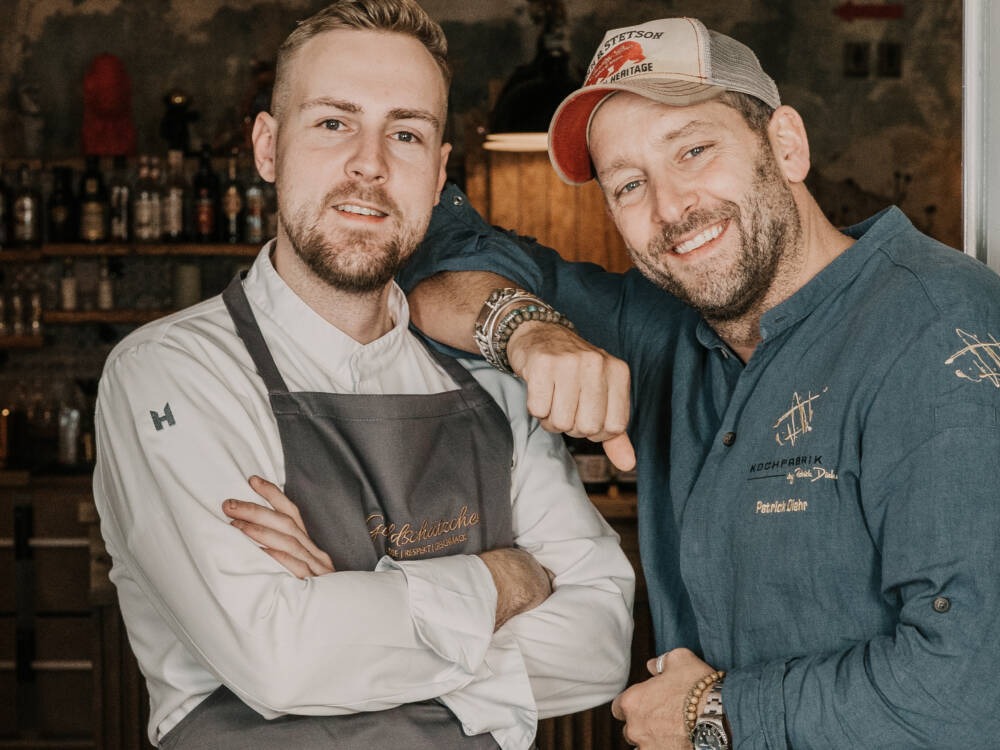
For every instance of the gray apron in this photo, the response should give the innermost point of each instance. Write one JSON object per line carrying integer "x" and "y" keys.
{"x": 410, "y": 476}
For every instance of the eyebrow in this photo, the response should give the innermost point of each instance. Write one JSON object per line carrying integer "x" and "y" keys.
{"x": 673, "y": 135}
{"x": 343, "y": 105}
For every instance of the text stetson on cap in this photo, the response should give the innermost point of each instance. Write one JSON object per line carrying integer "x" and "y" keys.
{"x": 675, "y": 61}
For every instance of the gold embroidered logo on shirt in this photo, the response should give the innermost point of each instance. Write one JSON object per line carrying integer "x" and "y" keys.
{"x": 797, "y": 421}
{"x": 980, "y": 359}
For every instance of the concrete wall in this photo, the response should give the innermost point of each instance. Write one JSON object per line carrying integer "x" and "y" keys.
{"x": 876, "y": 139}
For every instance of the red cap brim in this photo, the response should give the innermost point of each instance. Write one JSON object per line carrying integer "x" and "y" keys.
{"x": 568, "y": 150}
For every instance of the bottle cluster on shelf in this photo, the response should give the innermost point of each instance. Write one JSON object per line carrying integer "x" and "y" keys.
{"x": 142, "y": 201}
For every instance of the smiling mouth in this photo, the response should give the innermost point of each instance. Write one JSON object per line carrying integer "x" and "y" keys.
{"x": 353, "y": 208}
{"x": 700, "y": 239}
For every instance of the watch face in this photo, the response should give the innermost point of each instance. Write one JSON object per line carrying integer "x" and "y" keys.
{"x": 709, "y": 736}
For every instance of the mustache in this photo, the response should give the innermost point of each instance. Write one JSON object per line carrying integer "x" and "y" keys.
{"x": 372, "y": 194}
{"x": 697, "y": 219}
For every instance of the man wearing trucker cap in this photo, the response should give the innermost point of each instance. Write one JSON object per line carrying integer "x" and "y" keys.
{"x": 815, "y": 412}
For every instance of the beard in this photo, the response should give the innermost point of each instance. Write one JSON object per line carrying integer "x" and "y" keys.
{"x": 354, "y": 261}
{"x": 769, "y": 230}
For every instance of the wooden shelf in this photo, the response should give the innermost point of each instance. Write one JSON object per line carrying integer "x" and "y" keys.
{"x": 21, "y": 342}
{"x": 83, "y": 250}
{"x": 616, "y": 504}
{"x": 59, "y": 317}
{"x": 19, "y": 256}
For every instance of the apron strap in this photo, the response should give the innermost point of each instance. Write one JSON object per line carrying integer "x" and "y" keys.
{"x": 246, "y": 326}
{"x": 462, "y": 377}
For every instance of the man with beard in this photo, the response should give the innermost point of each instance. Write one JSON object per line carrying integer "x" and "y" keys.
{"x": 395, "y": 603}
{"x": 814, "y": 411}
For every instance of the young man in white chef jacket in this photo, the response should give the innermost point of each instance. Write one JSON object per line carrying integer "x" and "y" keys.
{"x": 407, "y": 598}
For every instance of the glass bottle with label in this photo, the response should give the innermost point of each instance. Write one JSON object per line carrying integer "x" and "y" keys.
{"x": 206, "y": 199}
{"x": 68, "y": 298}
{"x": 94, "y": 205}
{"x": 146, "y": 208}
{"x": 62, "y": 221}
{"x": 105, "y": 287}
{"x": 26, "y": 217}
{"x": 5, "y": 208}
{"x": 174, "y": 198}
{"x": 253, "y": 223}
{"x": 121, "y": 201}
{"x": 232, "y": 203}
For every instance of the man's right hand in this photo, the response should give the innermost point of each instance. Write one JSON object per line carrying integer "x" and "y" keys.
{"x": 521, "y": 582}
{"x": 574, "y": 387}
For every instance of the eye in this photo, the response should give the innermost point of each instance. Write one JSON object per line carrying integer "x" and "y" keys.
{"x": 406, "y": 136}
{"x": 332, "y": 124}
{"x": 628, "y": 187}
{"x": 696, "y": 151}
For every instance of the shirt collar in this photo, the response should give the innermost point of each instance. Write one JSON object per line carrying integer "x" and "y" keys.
{"x": 308, "y": 331}
{"x": 868, "y": 235}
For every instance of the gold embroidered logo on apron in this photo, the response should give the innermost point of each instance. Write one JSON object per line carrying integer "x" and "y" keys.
{"x": 408, "y": 540}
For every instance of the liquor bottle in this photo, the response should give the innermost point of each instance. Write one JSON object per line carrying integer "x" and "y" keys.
{"x": 62, "y": 221}
{"x": 206, "y": 199}
{"x": 5, "y": 209}
{"x": 232, "y": 203}
{"x": 592, "y": 464}
{"x": 156, "y": 184}
{"x": 253, "y": 223}
{"x": 174, "y": 198}
{"x": 270, "y": 210}
{"x": 121, "y": 201}
{"x": 68, "y": 287}
{"x": 26, "y": 218}
{"x": 105, "y": 287}
{"x": 146, "y": 210}
{"x": 94, "y": 205}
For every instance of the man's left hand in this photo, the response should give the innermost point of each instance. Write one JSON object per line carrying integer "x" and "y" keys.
{"x": 279, "y": 529}
{"x": 653, "y": 711}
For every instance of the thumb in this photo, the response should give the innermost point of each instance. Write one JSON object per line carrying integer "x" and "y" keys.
{"x": 620, "y": 451}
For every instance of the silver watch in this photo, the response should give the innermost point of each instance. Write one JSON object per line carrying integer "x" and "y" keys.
{"x": 710, "y": 730}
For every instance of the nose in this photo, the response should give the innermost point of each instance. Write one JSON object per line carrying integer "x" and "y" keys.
{"x": 367, "y": 162}
{"x": 673, "y": 200}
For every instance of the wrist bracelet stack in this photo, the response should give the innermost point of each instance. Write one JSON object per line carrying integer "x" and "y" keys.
{"x": 694, "y": 695}
{"x": 501, "y": 314}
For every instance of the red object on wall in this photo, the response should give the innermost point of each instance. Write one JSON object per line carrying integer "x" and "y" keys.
{"x": 849, "y": 11}
{"x": 108, "y": 129}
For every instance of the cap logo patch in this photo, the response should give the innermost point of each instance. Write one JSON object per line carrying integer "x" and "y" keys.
{"x": 606, "y": 69}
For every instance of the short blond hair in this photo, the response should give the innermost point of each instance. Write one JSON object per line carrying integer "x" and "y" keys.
{"x": 399, "y": 16}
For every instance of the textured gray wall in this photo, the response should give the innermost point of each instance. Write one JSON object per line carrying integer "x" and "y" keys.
{"x": 868, "y": 134}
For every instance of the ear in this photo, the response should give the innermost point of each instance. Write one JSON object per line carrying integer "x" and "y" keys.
{"x": 787, "y": 134}
{"x": 265, "y": 143}
{"x": 443, "y": 174}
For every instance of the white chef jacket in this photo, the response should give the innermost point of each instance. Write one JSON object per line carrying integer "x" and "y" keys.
{"x": 183, "y": 420}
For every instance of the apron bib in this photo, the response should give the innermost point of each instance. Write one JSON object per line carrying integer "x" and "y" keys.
{"x": 409, "y": 476}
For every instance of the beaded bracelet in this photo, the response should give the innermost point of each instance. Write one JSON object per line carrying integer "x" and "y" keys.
{"x": 694, "y": 695}
{"x": 494, "y": 327}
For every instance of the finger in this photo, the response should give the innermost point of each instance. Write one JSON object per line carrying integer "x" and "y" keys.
{"x": 616, "y": 708}
{"x": 277, "y": 499}
{"x": 298, "y": 568}
{"x": 625, "y": 736}
{"x": 275, "y": 540}
{"x": 620, "y": 452}
{"x": 540, "y": 394}
{"x": 618, "y": 398}
{"x": 592, "y": 404}
{"x": 565, "y": 401}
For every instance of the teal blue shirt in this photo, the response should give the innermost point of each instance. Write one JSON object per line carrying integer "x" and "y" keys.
{"x": 824, "y": 521}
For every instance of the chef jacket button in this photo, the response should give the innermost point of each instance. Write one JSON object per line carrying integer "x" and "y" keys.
{"x": 942, "y": 604}
{"x": 458, "y": 200}
{"x": 728, "y": 439}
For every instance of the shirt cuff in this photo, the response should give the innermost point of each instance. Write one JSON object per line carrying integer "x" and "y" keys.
{"x": 453, "y": 603}
{"x": 755, "y": 706}
{"x": 499, "y": 700}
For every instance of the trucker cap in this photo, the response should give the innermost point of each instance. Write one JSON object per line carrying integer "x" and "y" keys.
{"x": 675, "y": 61}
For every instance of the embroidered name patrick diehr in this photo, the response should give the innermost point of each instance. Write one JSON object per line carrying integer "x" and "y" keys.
{"x": 166, "y": 418}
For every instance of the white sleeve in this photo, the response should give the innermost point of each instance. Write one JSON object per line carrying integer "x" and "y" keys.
{"x": 572, "y": 652}
{"x": 338, "y": 643}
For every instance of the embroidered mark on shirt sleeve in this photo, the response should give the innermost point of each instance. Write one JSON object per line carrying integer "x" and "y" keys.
{"x": 159, "y": 420}
{"x": 980, "y": 360}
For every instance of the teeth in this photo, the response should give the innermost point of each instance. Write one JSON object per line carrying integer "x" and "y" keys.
{"x": 698, "y": 240}
{"x": 352, "y": 209}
